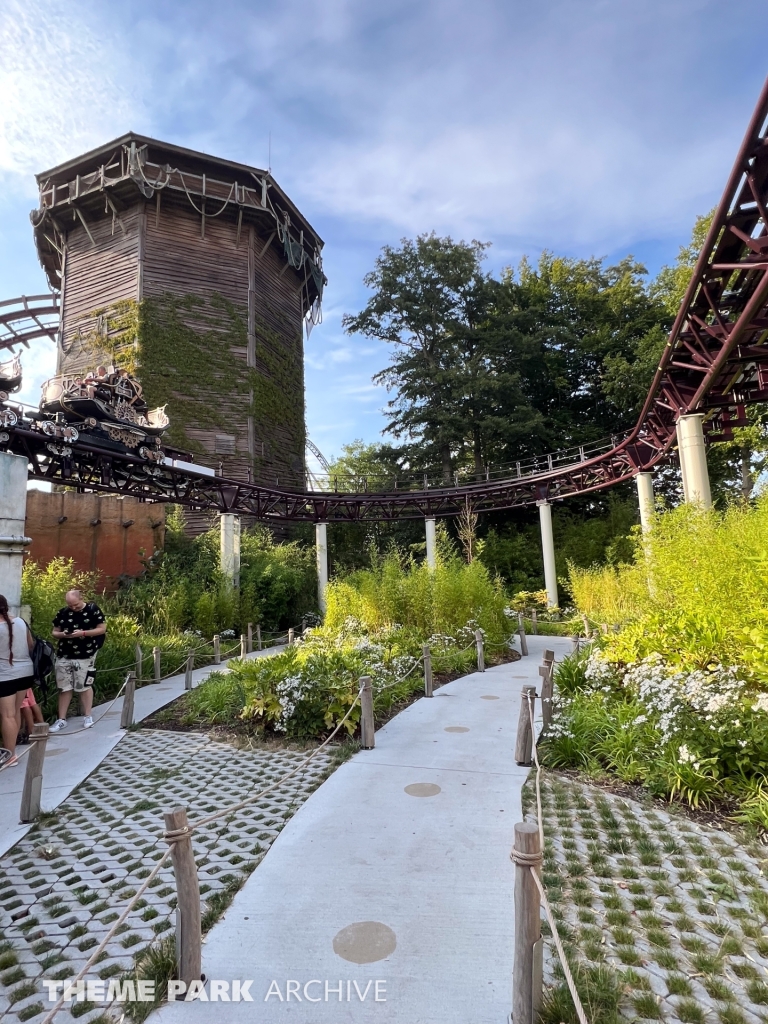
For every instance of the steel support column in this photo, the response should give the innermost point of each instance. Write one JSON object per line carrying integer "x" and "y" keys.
{"x": 321, "y": 548}
{"x": 429, "y": 527}
{"x": 548, "y": 552}
{"x": 693, "y": 459}
{"x": 645, "y": 499}
{"x": 13, "y": 510}
{"x": 230, "y": 548}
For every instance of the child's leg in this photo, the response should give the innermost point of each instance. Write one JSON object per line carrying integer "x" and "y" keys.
{"x": 27, "y": 720}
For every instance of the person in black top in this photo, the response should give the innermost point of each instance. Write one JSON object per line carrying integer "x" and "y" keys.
{"x": 80, "y": 629}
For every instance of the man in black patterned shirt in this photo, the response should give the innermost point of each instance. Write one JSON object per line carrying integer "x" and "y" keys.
{"x": 80, "y": 629}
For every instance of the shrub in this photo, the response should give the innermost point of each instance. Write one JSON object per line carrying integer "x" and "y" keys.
{"x": 377, "y": 622}
{"x": 305, "y": 691}
{"x": 690, "y": 735}
{"x": 432, "y": 601}
{"x": 695, "y": 594}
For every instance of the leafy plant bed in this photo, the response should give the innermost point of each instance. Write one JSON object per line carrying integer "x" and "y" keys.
{"x": 694, "y": 735}
{"x": 180, "y": 715}
{"x": 663, "y": 918}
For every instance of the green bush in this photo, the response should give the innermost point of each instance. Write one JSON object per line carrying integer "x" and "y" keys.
{"x": 695, "y": 593}
{"x": 693, "y": 735}
{"x": 183, "y": 588}
{"x": 377, "y": 622}
{"x": 306, "y": 690}
{"x": 181, "y": 600}
{"x": 399, "y": 590}
{"x": 676, "y": 698}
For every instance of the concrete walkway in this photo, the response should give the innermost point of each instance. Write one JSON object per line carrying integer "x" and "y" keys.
{"x": 73, "y": 754}
{"x": 395, "y": 870}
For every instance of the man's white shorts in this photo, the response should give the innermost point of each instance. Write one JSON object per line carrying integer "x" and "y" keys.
{"x": 74, "y": 673}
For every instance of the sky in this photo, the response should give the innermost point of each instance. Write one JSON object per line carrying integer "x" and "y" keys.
{"x": 584, "y": 127}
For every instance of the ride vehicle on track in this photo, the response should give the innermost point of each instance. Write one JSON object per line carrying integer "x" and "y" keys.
{"x": 10, "y": 382}
{"x": 106, "y": 407}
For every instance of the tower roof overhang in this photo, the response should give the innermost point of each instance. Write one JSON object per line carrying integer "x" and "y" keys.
{"x": 135, "y": 168}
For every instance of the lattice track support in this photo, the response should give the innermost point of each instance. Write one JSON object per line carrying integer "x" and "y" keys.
{"x": 429, "y": 527}
{"x": 645, "y": 500}
{"x": 693, "y": 460}
{"x": 230, "y": 548}
{"x": 548, "y": 552}
{"x": 13, "y": 510}
{"x": 321, "y": 550}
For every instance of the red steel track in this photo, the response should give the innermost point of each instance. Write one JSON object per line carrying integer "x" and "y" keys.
{"x": 715, "y": 362}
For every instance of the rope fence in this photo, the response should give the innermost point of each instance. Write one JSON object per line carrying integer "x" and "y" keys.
{"x": 527, "y": 855}
{"x": 179, "y": 840}
{"x": 178, "y": 831}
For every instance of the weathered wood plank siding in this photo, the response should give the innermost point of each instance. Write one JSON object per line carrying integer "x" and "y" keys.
{"x": 205, "y": 309}
{"x": 178, "y": 260}
{"x": 95, "y": 278}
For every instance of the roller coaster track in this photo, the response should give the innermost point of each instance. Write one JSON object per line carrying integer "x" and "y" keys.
{"x": 31, "y": 316}
{"x": 715, "y": 363}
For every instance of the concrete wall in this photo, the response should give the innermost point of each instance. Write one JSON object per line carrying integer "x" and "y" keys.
{"x": 101, "y": 533}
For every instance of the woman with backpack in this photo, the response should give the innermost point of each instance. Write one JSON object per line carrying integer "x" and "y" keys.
{"x": 16, "y": 676}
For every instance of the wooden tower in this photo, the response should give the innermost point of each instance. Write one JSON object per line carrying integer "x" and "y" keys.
{"x": 197, "y": 274}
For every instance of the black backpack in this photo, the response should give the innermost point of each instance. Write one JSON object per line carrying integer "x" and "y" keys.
{"x": 43, "y": 662}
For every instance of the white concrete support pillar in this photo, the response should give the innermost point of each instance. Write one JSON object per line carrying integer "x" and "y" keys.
{"x": 645, "y": 499}
{"x": 13, "y": 511}
{"x": 548, "y": 552}
{"x": 321, "y": 548}
{"x": 693, "y": 459}
{"x": 429, "y": 526}
{"x": 230, "y": 547}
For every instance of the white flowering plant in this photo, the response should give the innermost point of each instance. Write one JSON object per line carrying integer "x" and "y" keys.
{"x": 308, "y": 688}
{"x": 688, "y": 733}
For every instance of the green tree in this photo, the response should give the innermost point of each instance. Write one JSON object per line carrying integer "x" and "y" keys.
{"x": 458, "y": 380}
{"x": 565, "y": 323}
{"x": 365, "y": 467}
{"x": 425, "y": 294}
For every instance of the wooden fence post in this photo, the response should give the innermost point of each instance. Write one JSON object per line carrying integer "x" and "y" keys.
{"x": 534, "y": 622}
{"x": 524, "y": 744}
{"x": 367, "y": 732}
{"x": 290, "y": 637}
{"x": 585, "y": 620}
{"x": 243, "y": 645}
{"x": 217, "y": 649}
{"x": 126, "y": 717}
{"x": 427, "y": 670}
{"x": 545, "y": 671}
{"x": 527, "y": 971}
{"x": 258, "y": 636}
{"x": 521, "y": 633}
{"x": 480, "y": 650}
{"x": 188, "y": 934}
{"x": 139, "y": 664}
{"x": 156, "y": 663}
{"x": 188, "y": 671}
{"x": 249, "y": 642}
{"x": 33, "y": 779}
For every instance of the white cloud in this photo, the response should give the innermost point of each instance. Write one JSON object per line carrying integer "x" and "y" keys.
{"x": 65, "y": 86}
{"x": 585, "y": 127}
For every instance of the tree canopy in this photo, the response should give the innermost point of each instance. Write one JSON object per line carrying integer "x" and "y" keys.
{"x": 487, "y": 371}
